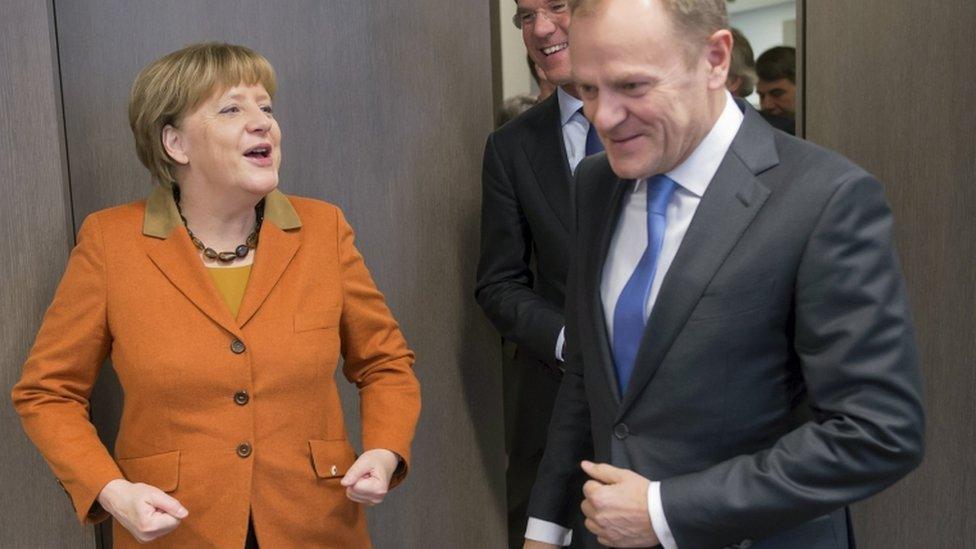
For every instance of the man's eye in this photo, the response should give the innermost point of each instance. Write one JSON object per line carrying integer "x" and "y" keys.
{"x": 558, "y": 7}
{"x": 527, "y": 17}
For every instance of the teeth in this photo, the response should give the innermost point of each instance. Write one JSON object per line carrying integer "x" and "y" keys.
{"x": 553, "y": 49}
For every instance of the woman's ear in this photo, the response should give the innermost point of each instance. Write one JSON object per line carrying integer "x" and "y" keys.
{"x": 175, "y": 144}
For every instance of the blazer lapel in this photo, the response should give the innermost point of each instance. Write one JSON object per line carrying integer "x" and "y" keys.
{"x": 276, "y": 248}
{"x": 732, "y": 200}
{"x": 546, "y": 152}
{"x": 594, "y": 274}
{"x": 179, "y": 261}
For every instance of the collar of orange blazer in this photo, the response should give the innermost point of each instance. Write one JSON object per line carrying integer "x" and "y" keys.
{"x": 162, "y": 216}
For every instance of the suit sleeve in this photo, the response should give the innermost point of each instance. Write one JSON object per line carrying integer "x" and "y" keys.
{"x": 376, "y": 357}
{"x": 558, "y": 489}
{"x": 52, "y": 394}
{"x": 856, "y": 346}
{"x": 505, "y": 280}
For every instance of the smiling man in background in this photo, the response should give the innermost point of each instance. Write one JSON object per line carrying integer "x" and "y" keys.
{"x": 526, "y": 234}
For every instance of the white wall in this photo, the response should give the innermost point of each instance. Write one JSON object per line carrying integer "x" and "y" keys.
{"x": 516, "y": 78}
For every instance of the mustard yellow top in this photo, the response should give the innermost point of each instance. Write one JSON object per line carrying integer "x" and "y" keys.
{"x": 231, "y": 283}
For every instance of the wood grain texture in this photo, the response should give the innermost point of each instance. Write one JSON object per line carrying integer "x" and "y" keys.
{"x": 384, "y": 108}
{"x": 34, "y": 219}
{"x": 890, "y": 85}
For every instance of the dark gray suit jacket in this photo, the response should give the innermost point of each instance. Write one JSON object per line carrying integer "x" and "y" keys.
{"x": 785, "y": 290}
{"x": 526, "y": 227}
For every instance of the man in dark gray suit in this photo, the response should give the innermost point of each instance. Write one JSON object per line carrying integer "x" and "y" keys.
{"x": 727, "y": 277}
{"x": 526, "y": 231}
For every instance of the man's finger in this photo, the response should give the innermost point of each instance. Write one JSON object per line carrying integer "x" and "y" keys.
{"x": 590, "y": 487}
{"x": 166, "y": 503}
{"x": 589, "y": 510}
{"x": 603, "y": 472}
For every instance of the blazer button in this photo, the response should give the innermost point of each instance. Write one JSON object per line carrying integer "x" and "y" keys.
{"x": 241, "y": 398}
{"x": 237, "y": 346}
{"x": 621, "y": 431}
{"x": 243, "y": 449}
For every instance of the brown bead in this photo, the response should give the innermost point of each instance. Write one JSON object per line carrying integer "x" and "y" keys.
{"x": 210, "y": 253}
{"x": 226, "y": 257}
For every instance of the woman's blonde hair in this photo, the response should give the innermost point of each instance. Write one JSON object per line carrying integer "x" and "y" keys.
{"x": 174, "y": 85}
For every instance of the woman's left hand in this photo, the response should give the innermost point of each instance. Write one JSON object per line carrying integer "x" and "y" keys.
{"x": 368, "y": 480}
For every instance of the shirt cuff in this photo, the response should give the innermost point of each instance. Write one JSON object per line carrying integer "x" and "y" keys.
{"x": 560, "y": 343}
{"x": 658, "y": 521}
{"x": 548, "y": 532}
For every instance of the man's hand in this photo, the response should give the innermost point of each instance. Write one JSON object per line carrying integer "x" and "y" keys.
{"x": 616, "y": 506}
{"x": 532, "y": 544}
{"x": 368, "y": 480}
{"x": 145, "y": 511}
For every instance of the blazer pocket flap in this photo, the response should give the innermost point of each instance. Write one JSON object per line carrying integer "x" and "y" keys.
{"x": 159, "y": 470}
{"x": 331, "y": 458}
{"x": 314, "y": 320}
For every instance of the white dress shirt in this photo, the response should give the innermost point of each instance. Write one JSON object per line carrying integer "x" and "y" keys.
{"x": 575, "y": 126}
{"x": 627, "y": 246}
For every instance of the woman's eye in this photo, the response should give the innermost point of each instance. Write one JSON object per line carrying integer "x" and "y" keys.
{"x": 228, "y": 110}
{"x": 267, "y": 109}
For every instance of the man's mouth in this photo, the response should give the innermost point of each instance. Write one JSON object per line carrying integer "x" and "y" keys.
{"x": 553, "y": 49}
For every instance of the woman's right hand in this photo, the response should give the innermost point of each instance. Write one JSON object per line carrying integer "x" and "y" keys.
{"x": 145, "y": 511}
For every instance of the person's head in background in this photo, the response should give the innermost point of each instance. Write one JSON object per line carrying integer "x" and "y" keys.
{"x": 776, "y": 69}
{"x": 512, "y": 107}
{"x": 742, "y": 70}
{"x": 546, "y": 88}
{"x": 545, "y": 31}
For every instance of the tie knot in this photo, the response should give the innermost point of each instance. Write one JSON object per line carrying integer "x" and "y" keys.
{"x": 659, "y": 191}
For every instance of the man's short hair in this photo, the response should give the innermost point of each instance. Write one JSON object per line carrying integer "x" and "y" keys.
{"x": 693, "y": 19}
{"x": 777, "y": 63}
{"x": 743, "y": 65}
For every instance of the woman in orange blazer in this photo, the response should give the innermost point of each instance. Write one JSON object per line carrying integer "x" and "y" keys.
{"x": 232, "y": 432}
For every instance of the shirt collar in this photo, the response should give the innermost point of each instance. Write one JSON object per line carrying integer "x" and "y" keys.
{"x": 695, "y": 173}
{"x": 568, "y": 105}
{"x": 162, "y": 216}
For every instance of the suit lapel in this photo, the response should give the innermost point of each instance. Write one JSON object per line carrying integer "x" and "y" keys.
{"x": 610, "y": 213}
{"x": 544, "y": 148}
{"x": 179, "y": 261}
{"x": 732, "y": 200}
{"x": 276, "y": 248}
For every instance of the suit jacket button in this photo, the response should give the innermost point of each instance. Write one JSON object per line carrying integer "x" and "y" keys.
{"x": 237, "y": 346}
{"x": 621, "y": 431}
{"x": 241, "y": 398}
{"x": 243, "y": 449}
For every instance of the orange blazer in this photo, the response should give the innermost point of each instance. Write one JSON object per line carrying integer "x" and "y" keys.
{"x": 231, "y": 416}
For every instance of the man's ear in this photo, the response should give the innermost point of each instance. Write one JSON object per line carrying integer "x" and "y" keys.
{"x": 175, "y": 144}
{"x": 718, "y": 54}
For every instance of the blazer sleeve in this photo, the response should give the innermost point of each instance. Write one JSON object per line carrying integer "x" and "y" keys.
{"x": 856, "y": 346}
{"x": 558, "y": 489}
{"x": 52, "y": 394}
{"x": 504, "y": 287}
{"x": 376, "y": 357}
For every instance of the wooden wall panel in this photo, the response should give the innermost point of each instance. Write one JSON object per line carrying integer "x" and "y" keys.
{"x": 36, "y": 227}
{"x": 384, "y": 108}
{"x": 890, "y": 85}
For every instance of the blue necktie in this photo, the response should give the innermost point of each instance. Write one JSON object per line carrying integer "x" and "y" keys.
{"x": 628, "y": 315}
{"x": 593, "y": 143}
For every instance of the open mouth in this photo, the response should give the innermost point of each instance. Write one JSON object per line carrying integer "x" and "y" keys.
{"x": 258, "y": 151}
{"x": 554, "y": 49}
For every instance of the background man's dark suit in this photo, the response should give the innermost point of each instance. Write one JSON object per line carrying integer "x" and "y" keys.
{"x": 785, "y": 288}
{"x": 526, "y": 218}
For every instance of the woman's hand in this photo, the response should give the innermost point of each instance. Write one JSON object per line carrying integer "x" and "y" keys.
{"x": 368, "y": 480}
{"x": 145, "y": 511}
